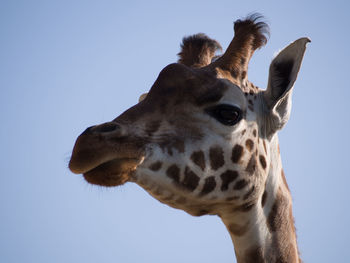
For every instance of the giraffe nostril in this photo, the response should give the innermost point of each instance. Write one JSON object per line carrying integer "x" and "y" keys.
{"x": 107, "y": 127}
{"x": 87, "y": 131}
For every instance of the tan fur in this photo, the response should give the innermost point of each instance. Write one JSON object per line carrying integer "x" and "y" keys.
{"x": 203, "y": 140}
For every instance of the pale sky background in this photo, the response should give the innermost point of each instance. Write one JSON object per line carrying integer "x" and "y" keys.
{"x": 67, "y": 65}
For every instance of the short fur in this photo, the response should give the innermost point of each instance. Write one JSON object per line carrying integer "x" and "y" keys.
{"x": 174, "y": 146}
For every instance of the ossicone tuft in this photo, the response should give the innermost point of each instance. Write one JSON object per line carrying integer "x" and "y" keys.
{"x": 198, "y": 50}
{"x": 253, "y": 25}
{"x": 251, "y": 33}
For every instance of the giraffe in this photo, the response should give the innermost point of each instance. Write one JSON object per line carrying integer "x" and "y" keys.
{"x": 204, "y": 140}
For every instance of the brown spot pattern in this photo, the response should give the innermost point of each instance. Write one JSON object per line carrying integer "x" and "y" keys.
{"x": 234, "y": 73}
{"x": 209, "y": 185}
{"x": 179, "y": 145}
{"x": 174, "y": 173}
{"x": 249, "y": 144}
{"x": 254, "y": 255}
{"x": 273, "y": 220}
{"x": 262, "y": 161}
{"x": 251, "y": 165}
{"x": 244, "y": 207}
{"x": 199, "y": 159}
{"x": 216, "y": 156}
{"x": 170, "y": 151}
{"x": 263, "y": 199}
{"x": 238, "y": 230}
{"x": 227, "y": 177}
{"x": 280, "y": 223}
{"x": 237, "y": 152}
{"x": 254, "y": 133}
{"x": 191, "y": 180}
{"x": 277, "y": 217}
{"x": 240, "y": 184}
{"x": 155, "y": 166}
{"x": 249, "y": 193}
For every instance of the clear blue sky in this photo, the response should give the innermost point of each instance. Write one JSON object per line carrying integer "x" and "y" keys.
{"x": 66, "y": 65}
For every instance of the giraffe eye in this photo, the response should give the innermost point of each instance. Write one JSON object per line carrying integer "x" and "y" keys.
{"x": 226, "y": 114}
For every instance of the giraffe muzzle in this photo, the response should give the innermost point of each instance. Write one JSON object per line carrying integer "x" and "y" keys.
{"x": 106, "y": 154}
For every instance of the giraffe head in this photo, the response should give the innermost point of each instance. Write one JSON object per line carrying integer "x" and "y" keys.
{"x": 200, "y": 139}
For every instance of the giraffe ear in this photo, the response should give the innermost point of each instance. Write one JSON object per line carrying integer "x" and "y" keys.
{"x": 283, "y": 72}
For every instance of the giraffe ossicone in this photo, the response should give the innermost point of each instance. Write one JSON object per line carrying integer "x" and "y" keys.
{"x": 204, "y": 140}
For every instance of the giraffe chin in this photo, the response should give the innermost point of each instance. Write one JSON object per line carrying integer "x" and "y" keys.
{"x": 112, "y": 173}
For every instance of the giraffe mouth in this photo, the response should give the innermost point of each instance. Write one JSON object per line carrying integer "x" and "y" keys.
{"x": 103, "y": 159}
{"x": 112, "y": 173}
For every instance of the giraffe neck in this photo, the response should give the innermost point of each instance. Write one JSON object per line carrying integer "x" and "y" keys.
{"x": 266, "y": 232}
